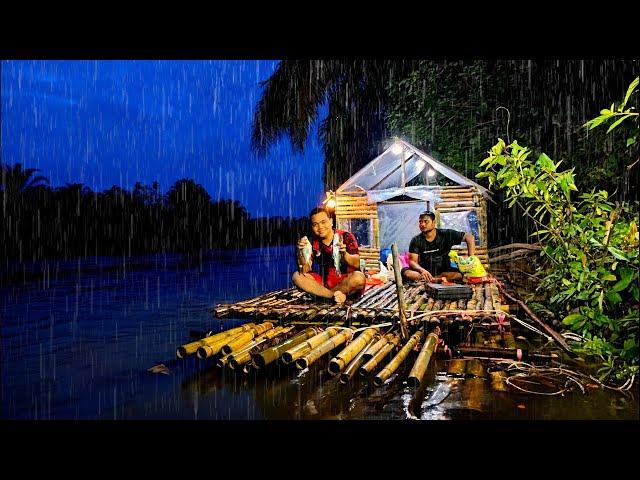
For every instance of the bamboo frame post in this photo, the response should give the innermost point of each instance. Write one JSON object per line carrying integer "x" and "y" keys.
{"x": 404, "y": 332}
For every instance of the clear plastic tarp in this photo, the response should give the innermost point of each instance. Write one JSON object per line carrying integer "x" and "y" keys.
{"x": 385, "y": 171}
{"x": 462, "y": 221}
{"x": 419, "y": 193}
{"x": 362, "y": 229}
{"x": 399, "y": 223}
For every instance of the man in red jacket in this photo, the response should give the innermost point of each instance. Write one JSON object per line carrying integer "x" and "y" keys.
{"x": 326, "y": 280}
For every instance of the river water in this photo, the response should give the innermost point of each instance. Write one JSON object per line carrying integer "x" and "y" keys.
{"x": 78, "y": 338}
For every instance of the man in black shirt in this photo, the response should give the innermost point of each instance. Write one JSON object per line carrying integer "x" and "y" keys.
{"x": 429, "y": 251}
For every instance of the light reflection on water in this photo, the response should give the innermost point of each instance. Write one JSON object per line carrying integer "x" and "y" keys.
{"x": 77, "y": 343}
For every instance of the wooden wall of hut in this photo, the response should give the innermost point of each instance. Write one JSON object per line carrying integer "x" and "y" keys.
{"x": 466, "y": 199}
{"x": 355, "y": 206}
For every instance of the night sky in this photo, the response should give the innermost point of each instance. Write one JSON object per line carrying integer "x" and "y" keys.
{"x": 105, "y": 123}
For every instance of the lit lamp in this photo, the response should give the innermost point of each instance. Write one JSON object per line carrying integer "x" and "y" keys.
{"x": 431, "y": 172}
{"x": 330, "y": 201}
{"x": 397, "y": 148}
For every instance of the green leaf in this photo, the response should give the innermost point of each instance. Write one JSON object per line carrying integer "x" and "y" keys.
{"x": 513, "y": 181}
{"x": 608, "y": 277}
{"x": 545, "y": 162}
{"x": 630, "y": 90}
{"x": 573, "y": 318}
{"x": 486, "y": 160}
{"x": 614, "y": 297}
{"x": 617, "y": 122}
{"x": 626, "y": 275}
{"x": 619, "y": 254}
{"x": 631, "y": 140}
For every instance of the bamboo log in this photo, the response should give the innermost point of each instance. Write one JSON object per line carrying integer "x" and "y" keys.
{"x": 244, "y": 355}
{"x": 377, "y": 346}
{"x": 206, "y": 351}
{"x": 373, "y": 362}
{"x": 341, "y": 360}
{"x": 303, "y": 348}
{"x": 387, "y": 371}
{"x": 356, "y": 363}
{"x": 321, "y": 350}
{"x": 454, "y": 203}
{"x": 422, "y": 362}
{"x": 511, "y": 256}
{"x": 404, "y": 331}
{"x": 246, "y": 337}
{"x": 555, "y": 335}
{"x": 520, "y": 246}
{"x": 456, "y": 209}
{"x": 192, "y": 347}
{"x": 507, "y": 353}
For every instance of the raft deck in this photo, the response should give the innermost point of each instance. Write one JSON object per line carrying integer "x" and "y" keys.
{"x": 378, "y": 305}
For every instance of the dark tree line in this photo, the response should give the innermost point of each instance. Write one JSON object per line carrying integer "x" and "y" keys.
{"x": 39, "y": 221}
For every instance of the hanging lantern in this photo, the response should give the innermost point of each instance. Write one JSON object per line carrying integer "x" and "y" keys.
{"x": 330, "y": 201}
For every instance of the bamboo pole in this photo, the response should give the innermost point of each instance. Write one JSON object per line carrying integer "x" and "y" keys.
{"x": 303, "y": 348}
{"x": 422, "y": 362}
{"x": 377, "y": 346}
{"x": 264, "y": 358}
{"x": 506, "y": 353}
{"x": 341, "y": 360}
{"x": 387, "y": 371}
{"x": 555, "y": 335}
{"x": 358, "y": 360}
{"x": 246, "y": 337}
{"x": 192, "y": 347}
{"x": 244, "y": 355}
{"x": 373, "y": 362}
{"x": 321, "y": 350}
{"x": 404, "y": 331}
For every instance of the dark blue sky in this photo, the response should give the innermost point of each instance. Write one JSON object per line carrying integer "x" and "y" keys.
{"x": 105, "y": 123}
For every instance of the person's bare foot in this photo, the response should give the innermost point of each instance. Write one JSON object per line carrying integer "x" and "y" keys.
{"x": 339, "y": 297}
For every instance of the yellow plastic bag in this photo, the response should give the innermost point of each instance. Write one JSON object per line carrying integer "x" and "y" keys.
{"x": 471, "y": 267}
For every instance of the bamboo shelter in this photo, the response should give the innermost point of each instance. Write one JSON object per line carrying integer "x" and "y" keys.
{"x": 393, "y": 330}
{"x": 380, "y": 204}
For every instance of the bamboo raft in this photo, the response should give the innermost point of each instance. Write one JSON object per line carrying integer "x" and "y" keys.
{"x": 378, "y": 305}
{"x": 371, "y": 338}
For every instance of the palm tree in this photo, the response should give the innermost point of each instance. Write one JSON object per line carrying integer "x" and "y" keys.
{"x": 356, "y": 93}
{"x": 14, "y": 180}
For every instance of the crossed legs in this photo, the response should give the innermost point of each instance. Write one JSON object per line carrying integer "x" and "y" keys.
{"x": 351, "y": 283}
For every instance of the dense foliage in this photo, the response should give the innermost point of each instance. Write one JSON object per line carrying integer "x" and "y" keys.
{"x": 456, "y": 109}
{"x": 591, "y": 244}
{"x": 40, "y": 222}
